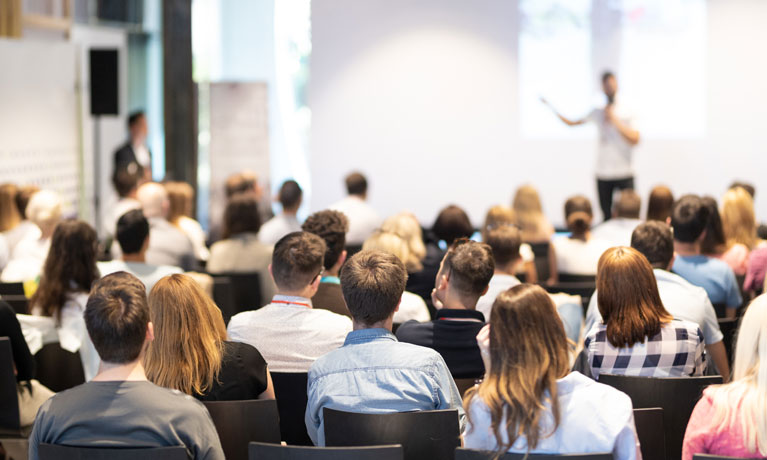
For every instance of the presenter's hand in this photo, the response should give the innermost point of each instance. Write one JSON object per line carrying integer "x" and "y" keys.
{"x": 545, "y": 102}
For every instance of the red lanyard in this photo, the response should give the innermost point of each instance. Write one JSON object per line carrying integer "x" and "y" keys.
{"x": 292, "y": 303}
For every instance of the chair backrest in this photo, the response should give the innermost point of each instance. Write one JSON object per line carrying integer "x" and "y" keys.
{"x": 57, "y": 368}
{"x": 290, "y": 392}
{"x": 223, "y": 296}
{"x": 469, "y": 454}
{"x": 720, "y": 309}
{"x": 9, "y": 402}
{"x": 649, "y": 426}
{"x": 425, "y": 434}
{"x": 57, "y": 452}
{"x": 237, "y": 292}
{"x": 729, "y": 328}
{"x": 715, "y": 457}
{"x": 11, "y": 289}
{"x": 240, "y": 422}
{"x": 260, "y": 451}
{"x": 19, "y": 303}
{"x": 541, "y": 252}
{"x": 570, "y": 278}
{"x": 676, "y": 396}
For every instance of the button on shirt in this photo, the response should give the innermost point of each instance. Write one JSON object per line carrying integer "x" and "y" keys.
{"x": 713, "y": 275}
{"x": 374, "y": 373}
{"x": 289, "y": 333}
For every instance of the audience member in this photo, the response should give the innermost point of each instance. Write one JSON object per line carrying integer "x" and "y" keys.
{"x": 372, "y": 372}
{"x": 240, "y": 251}
{"x": 331, "y": 226}
{"x": 757, "y": 271}
{"x": 617, "y": 231}
{"x": 412, "y": 306}
{"x": 10, "y": 218}
{"x": 363, "y": 219}
{"x": 739, "y": 225}
{"x": 167, "y": 244}
{"x": 463, "y": 278}
{"x": 731, "y": 419}
{"x": 126, "y": 185}
{"x": 534, "y": 227}
{"x": 660, "y": 203}
{"x": 290, "y": 198}
{"x": 761, "y": 229}
{"x": 578, "y": 253}
{"x": 638, "y": 336}
{"x": 498, "y": 216}
{"x": 529, "y": 402}
{"x": 190, "y": 351}
{"x": 180, "y": 212}
{"x": 26, "y": 228}
{"x": 243, "y": 182}
{"x": 120, "y": 408}
{"x": 133, "y": 238}
{"x": 504, "y": 242}
{"x": 653, "y": 239}
{"x": 689, "y": 220}
{"x": 407, "y": 227}
{"x": 713, "y": 242}
{"x": 289, "y": 332}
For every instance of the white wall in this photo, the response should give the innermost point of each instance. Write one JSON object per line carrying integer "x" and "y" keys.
{"x": 422, "y": 96}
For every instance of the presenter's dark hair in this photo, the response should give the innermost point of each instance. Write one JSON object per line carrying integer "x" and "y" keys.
{"x": 356, "y": 184}
{"x": 452, "y": 223}
{"x": 372, "y": 283}
{"x": 655, "y": 241}
{"x": 332, "y": 227}
{"x": 290, "y": 194}
{"x": 132, "y": 231}
{"x": 607, "y": 74}
{"x": 135, "y": 117}
{"x": 297, "y": 260}
{"x": 689, "y": 218}
{"x": 241, "y": 215}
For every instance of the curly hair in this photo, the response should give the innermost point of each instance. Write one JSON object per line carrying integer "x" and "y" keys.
{"x": 331, "y": 226}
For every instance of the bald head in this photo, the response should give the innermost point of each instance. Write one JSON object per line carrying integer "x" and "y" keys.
{"x": 153, "y": 199}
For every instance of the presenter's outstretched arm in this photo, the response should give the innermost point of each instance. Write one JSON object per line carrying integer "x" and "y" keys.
{"x": 564, "y": 119}
{"x": 630, "y": 134}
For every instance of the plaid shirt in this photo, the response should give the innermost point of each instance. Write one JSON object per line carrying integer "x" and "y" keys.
{"x": 676, "y": 351}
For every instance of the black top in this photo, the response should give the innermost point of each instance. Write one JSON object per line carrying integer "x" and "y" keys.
{"x": 22, "y": 358}
{"x": 242, "y": 376}
{"x": 454, "y": 335}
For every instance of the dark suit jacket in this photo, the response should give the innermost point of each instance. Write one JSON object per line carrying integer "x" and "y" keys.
{"x": 125, "y": 157}
{"x": 330, "y": 297}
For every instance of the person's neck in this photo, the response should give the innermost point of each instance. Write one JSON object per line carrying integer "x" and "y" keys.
{"x": 508, "y": 269}
{"x": 385, "y": 324}
{"x": 290, "y": 212}
{"x": 138, "y": 257}
{"x": 581, "y": 236}
{"x": 333, "y": 271}
{"x": 133, "y": 371}
{"x": 304, "y": 293}
{"x": 453, "y": 301}
{"x": 687, "y": 249}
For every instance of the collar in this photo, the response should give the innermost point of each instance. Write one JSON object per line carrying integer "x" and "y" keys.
{"x": 291, "y": 300}
{"x": 331, "y": 280}
{"x": 368, "y": 335}
{"x": 457, "y": 314}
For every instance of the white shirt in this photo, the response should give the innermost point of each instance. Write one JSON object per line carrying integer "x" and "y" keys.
{"x": 193, "y": 230}
{"x": 498, "y": 283}
{"x": 616, "y": 231}
{"x": 277, "y": 227}
{"x": 682, "y": 299}
{"x": 243, "y": 253}
{"x": 412, "y": 306}
{"x": 578, "y": 257}
{"x": 24, "y": 230}
{"x": 27, "y": 260}
{"x": 4, "y": 252}
{"x": 122, "y": 206}
{"x": 147, "y": 274}
{"x": 142, "y": 156}
{"x": 614, "y": 151}
{"x": 290, "y": 336}
{"x": 363, "y": 219}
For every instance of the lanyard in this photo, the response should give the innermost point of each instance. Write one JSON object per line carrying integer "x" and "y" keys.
{"x": 302, "y": 304}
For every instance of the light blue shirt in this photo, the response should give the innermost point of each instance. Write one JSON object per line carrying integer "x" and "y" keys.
{"x": 374, "y": 373}
{"x": 713, "y": 275}
{"x": 594, "y": 418}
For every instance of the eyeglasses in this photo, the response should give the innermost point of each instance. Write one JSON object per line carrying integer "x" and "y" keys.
{"x": 319, "y": 275}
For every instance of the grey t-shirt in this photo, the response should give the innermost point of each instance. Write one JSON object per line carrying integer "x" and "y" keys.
{"x": 126, "y": 414}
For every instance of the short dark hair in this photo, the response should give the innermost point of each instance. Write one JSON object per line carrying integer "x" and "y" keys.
{"x": 628, "y": 204}
{"x": 578, "y": 214}
{"x": 125, "y": 181}
{"x": 117, "y": 316}
{"x": 372, "y": 283}
{"x": 504, "y": 241}
{"x": 655, "y": 241}
{"x": 332, "y": 227}
{"x": 452, "y": 223}
{"x": 745, "y": 186}
{"x": 471, "y": 266}
{"x": 290, "y": 194}
{"x": 297, "y": 260}
{"x": 241, "y": 215}
{"x": 132, "y": 231}
{"x": 356, "y": 184}
{"x": 607, "y": 74}
{"x": 134, "y": 117}
{"x": 689, "y": 218}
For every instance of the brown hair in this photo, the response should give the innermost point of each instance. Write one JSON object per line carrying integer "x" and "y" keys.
{"x": 372, "y": 283}
{"x": 530, "y": 219}
{"x": 23, "y": 196}
{"x": 578, "y": 214}
{"x": 528, "y": 354}
{"x": 628, "y": 204}
{"x": 332, "y": 227}
{"x": 189, "y": 332}
{"x": 297, "y": 260}
{"x": 660, "y": 204}
{"x": 504, "y": 242}
{"x": 452, "y": 223}
{"x": 356, "y": 184}
{"x": 241, "y": 215}
{"x": 469, "y": 266}
{"x": 242, "y": 182}
{"x": 9, "y": 213}
{"x": 497, "y": 216}
{"x": 180, "y": 200}
{"x": 628, "y": 298}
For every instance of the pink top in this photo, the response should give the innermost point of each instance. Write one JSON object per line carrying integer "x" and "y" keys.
{"x": 737, "y": 258}
{"x": 757, "y": 270}
{"x": 702, "y": 438}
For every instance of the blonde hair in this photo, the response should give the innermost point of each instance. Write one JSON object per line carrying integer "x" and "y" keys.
{"x": 498, "y": 216}
{"x": 738, "y": 220}
{"x": 189, "y": 330}
{"x": 180, "y": 200}
{"x": 744, "y": 400}
{"x": 388, "y": 242}
{"x": 407, "y": 227}
{"x": 9, "y": 212}
{"x": 44, "y": 209}
{"x": 530, "y": 218}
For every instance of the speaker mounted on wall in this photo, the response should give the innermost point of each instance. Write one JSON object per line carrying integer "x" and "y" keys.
{"x": 104, "y": 82}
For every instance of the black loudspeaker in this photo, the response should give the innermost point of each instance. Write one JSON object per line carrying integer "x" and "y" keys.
{"x": 104, "y": 84}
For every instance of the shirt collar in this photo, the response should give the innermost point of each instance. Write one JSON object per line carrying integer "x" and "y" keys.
{"x": 331, "y": 280}
{"x": 290, "y": 299}
{"x": 457, "y": 313}
{"x": 368, "y": 335}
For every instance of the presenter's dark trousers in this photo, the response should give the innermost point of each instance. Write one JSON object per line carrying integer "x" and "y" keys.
{"x": 606, "y": 188}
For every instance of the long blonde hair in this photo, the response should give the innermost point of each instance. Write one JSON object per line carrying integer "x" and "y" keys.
{"x": 498, "y": 216}
{"x": 180, "y": 201}
{"x": 744, "y": 401}
{"x": 9, "y": 212}
{"x": 388, "y": 242}
{"x": 530, "y": 218}
{"x": 738, "y": 220}
{"x": 406, "y": 226}
{"x": 189, "y": 332}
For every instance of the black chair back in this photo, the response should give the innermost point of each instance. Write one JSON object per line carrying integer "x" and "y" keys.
{"x": 570, "y": 278}
{"x": 649, "y": 425}
{"x": 223, "y": 296}
{"x": 541, "y": 252}
{"x": 469, "y": 454}
{"x": 259, "y": 451}
{"x": 676, "y": 396}
{"x": 57, "y": 368}
{"x": 352, "y": 249}
{"x": 729, "y": 328}
{"x": 720, "y": 309}
{"x": 241, "y": 422}
{"x": 237, "y": 292}
{"x": 9, "y": 402}
{"x": 57, "y": 452}
{"x": 19, "y": 303}
{"x": 715, "y": 457}
{"x": 12, "y": 289}
{"x": 425, "y": 434}
{"x": 290, "y": 392}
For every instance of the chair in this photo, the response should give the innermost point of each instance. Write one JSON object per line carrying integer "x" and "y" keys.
{"x": 649, "y": 426}
{"x": 464, "y": 384}
{"x": 57, "y": 452}
{"x": 240, "y": 422}
{"x": 469, "y": 454}
{"x": 13, "y": 436}
{"x": 352, "y": 249}
{"x": 569, "y": 278}
{"x": 541, "y": 252}
{"x": 244, "y": 292}
{"x": 729, "y": 328}
{"x": 58, "y": 369}
{"x": 720, "y": 309}
{"x": 714, "y": 457}
{"x": 260, "y": 451}
{"x": 290, "y": 392}
{"x": 19, "y": 303}
{"x": 223, "y": 296}
{"x": 676, "y": 396}
{"x": 11, "y": 289}
{"x": 424, "y": 434}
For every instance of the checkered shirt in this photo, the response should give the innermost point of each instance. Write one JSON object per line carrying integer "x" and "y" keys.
{"x": 676, "y": 351}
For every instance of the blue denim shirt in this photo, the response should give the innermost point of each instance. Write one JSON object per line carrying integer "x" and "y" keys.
{"x": 374, "y": 373}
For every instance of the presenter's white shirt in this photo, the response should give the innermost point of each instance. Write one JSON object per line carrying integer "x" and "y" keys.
{"x": 614, "y": 151}
{"x": 363, "y": 219}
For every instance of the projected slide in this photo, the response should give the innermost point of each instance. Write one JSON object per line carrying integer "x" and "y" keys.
{"x": 655, "y": 47}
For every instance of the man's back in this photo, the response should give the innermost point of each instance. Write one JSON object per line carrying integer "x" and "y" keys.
{"x": 168, "y": 245}
{"x": 126, "y": 414}
{"x": 148, "y": 274}
{"x": 498, "y": 283}
{"x": 713, "y": 275}
{"x": 363, "y": 219}
{"x": 616, "y": 231}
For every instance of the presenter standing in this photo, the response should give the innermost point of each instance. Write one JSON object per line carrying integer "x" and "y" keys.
{"x": 617, "y": 139}
{"x": 134, "y": 156}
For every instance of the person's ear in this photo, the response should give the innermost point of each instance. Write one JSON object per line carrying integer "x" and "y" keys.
{"x": 396, "y": 309}
{"x": 443, "y": 283}
{"x": 668, "y": 221}
{"x": 484, "y": 291}
{"x": 149, "y": 332}
{"x": 671, "y": 263}
{"x": 342, "y": 258}
{"x": 271, "y": 274}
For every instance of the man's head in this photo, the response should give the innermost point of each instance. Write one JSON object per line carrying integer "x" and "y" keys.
{"x": 290, "y": 196}
{"x": 332, "y": 227}
{"x": 628, "y": 205}
{"x": 357, "y": 185}
{"x": 153, "y": 199}
{"x": 505, "y": 241}
{"x": 609, "y": 85}
{"x": 133, "y": 232}
{"x": 137, "y": 126}
{"x": 297, "y": 263}
{"x": 372, "y": 283}
{"x": 243, "y": 182}
{"x": 656, "y": 242}
{"x": 117, "y": 318}
{"x": 465, "y": 272}
{"x": 689, "y": 219}
{"x": 125, "y": 182}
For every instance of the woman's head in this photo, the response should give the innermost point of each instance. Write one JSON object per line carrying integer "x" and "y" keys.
{"x": 44, "y": 210}
{"x": 241, "y": 215}
{"x": 9, "y": 212}
{"x": 180, "y": 199}
{"x": 713, "y": 241}
{"x": 527, "y": 206}
{"x": 452, "y": 223}
{"x": 498, "y": 216}
{"x": 189, "y": 333}
{"x": 660, "y": 204}
{"x": 738, "y": 220}
{"x": 628, "y": 298}
{"x": 578, "y": 214}
{"x": 388, "y": 242}
{"x": 406, "y": 225}
{"x": 751, "y": 346}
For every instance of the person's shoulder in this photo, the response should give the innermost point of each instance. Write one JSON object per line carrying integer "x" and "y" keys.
{"x": 683, "y": 327}
{"x": 245, "y": 317}
{"x": 412, "y": 331}
{"x": 601, "y": 397}
{"x": 244, "y": 351}
{"x": 328, "y": 316}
